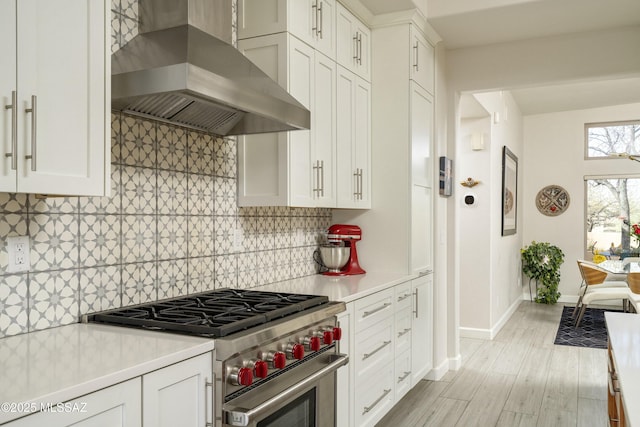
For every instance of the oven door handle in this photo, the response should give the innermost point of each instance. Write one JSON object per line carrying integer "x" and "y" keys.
{"x": 242, "y": 417}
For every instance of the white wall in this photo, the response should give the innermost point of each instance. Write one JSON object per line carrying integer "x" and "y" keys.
{"x": 489, "y": 274}
{"x": 554, "y": 154}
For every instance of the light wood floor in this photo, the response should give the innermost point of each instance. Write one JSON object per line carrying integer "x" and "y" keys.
{"x": 519, "y": 379}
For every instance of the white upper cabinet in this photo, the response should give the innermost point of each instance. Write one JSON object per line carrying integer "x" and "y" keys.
{"x": 294, "y": 168}
{"x": 353, "y": 140}
{"x": 55, "y": 91}
{"x": 353, "y": 43}
{"x": 312, "y": 21}
{"x": 422, "y": 61}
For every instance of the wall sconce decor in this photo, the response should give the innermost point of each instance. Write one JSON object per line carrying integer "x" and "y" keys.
{"x": 470, "y": 183}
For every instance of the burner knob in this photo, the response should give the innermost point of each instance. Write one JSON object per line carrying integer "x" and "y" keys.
{"x": 312, "y": 343}
{"x": 261, "y": 368}
{"x": 241, "y": 376}
{"x": 295, "y": 351}
{"x": 277, "y": 359}
{"x": 337, "y": 333}
{"x": 327, "y": 337}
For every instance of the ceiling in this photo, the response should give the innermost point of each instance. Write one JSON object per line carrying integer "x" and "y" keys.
{"x": 469, "y": 23}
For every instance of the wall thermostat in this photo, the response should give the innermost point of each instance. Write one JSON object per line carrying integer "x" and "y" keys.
{"x": 469, "y": 199}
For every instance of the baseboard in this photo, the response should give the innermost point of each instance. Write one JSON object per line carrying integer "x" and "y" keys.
{"x": 439, "y": 371}
{"x": 489, "y": 334}
{"x": 455, "y": 363}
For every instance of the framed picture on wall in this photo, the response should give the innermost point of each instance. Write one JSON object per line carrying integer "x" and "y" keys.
{"x": 446, "y": 176}
{"x": 509, "y": 192}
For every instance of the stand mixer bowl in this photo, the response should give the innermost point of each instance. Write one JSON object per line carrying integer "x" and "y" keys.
{"x": 334, "y": 257}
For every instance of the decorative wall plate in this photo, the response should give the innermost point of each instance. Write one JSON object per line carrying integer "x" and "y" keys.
{"x": 552, "y": 200}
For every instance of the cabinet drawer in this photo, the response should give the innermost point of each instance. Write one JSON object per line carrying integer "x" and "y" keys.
{"x": 373, "y": 350}
{"x": 372, "y": 309}
{"x": 403, "y": 298}
{"x": 402, "y": 377}
{"x": 374, "y": 398}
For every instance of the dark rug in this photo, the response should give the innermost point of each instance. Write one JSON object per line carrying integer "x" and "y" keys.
{"x": 592, "y": 331}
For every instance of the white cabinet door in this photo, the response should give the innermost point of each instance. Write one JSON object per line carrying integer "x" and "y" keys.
{"x": 115, "y": 406}
{"x": 353, "y": 40}
{"x": 422, "y": 61}
{"x": 177, "y": 395}
{"x": 353, "y": 140}
{"x": 62, "y": 84}
{"x": 8, "y": 127}
{"x": 421, "y": 105}
{"x": 312, "y": 21}
{"x": 324, "y": 134}
{"x": 344, "y": 377}
{"x": 421, "y": 229}
{"x": 274, "y": 169}
{"x": 422, "y": 328}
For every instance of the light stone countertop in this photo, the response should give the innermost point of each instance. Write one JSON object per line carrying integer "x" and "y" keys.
{"x": 340, "y": 288}
{"x": 59, "y": 364}
{"x": 624, "y": 336}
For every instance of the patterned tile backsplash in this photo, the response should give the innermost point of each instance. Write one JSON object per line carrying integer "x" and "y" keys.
{"x": 167, "y": 229}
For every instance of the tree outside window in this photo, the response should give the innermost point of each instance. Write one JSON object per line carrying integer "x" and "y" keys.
{"x": 613, "y": 205}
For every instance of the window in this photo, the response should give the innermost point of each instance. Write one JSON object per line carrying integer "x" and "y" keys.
{"x": 613, "y": 205}
{"x": 607, "y": 139}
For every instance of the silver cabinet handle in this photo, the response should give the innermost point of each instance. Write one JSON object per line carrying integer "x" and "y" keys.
{"x": 368, "y": 355}
{"x": 404, "y": 376}
{"x": 404, "y": 297}
{"x": 416, "y": 295}
{"x": 415, "y": 65}
{"x": 14, "y": 130}
{"x": 316, "y": 184}
{"x": 321, "y": 23}
{"x": 375, "y": 310}
{"x": 34, "y": 126}
{"x": 355, "y": 192}
{"x": 207, "y": 385}
{"x": 321, "y": 178}
{"x": 378, "y": 400}
{"x": 405, "y": 332}
{"x": 355, "y": 47}
{"x": 314, "y": 26}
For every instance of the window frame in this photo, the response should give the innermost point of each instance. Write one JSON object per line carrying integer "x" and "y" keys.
{"x": 604, "y": 124}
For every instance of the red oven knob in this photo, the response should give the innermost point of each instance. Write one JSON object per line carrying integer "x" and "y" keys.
{"x": 312, "y": 343}
{"x": 337, "y": 333}
{"x": 295, "y": 351}
{"x": 277, "y": 359}
{"x": 241, "y": 376}
{"x": 261, "y": 368}
{"x": 327, "y": 337}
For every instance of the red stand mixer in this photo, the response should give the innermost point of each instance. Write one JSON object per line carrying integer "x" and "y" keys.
{"x": 347, "y": 235}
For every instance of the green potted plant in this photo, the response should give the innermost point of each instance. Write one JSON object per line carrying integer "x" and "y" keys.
{"x": 541, "y": 262}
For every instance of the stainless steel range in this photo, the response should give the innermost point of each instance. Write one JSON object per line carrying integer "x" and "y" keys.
{"x": 276, "y": 353}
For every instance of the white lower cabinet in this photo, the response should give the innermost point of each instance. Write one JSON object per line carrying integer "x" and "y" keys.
{"x": 176, "y": 395}
{"x": 390, "y": 349}
{"x": 115, "y": 406}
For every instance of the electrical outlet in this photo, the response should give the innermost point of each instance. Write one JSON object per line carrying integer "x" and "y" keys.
{"x": 238, "y": 240}
{"x": 18, "y": 250}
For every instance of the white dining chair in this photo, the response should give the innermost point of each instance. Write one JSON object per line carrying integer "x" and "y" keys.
{"x": 597, "y": 288}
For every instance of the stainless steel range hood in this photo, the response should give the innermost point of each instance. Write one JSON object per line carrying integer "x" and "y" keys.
{"x": 182, "y": 69}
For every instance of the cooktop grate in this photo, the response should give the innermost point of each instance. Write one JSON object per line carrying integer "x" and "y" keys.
{"x": 213, "y": 314}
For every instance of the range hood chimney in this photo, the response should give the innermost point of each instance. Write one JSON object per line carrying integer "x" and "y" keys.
{"x": 182, "y": 69}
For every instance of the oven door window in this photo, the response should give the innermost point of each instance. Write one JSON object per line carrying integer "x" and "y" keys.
{"x": 299, "y": 413}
